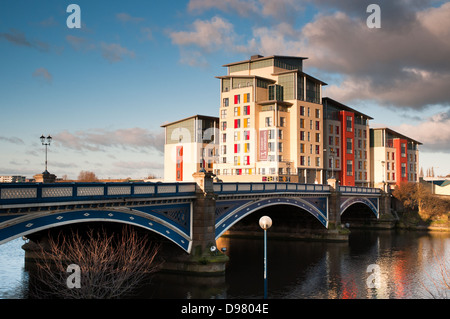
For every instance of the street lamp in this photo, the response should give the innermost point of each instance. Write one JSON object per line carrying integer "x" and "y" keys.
{"x": 265, "y": 222}
{"x": 46, "y": 141}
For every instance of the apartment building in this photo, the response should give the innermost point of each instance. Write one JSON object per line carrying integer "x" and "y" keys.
{"x": 271, "y": 122}
{"x": 190, "y": 146}
{"x": 12, "y": 179}
{"x": 347, "y": 139}
{"x": 395, "y": 157}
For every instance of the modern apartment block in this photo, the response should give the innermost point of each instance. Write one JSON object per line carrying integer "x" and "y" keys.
{"x": 274, "y": 125}
{"x": 347, "y": 139}
{"x": 395, "y": 157}
{"x": 271, "y": 122}
{"x": 190, "y": 145}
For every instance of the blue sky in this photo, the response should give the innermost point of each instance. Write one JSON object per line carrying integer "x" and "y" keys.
{"x": 102, "y": 91}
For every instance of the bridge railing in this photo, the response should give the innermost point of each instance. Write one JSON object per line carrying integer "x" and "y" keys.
{"x": 23, "y": 193}
{"x": 359, "y": 190}
{"x": 236, "y": 188}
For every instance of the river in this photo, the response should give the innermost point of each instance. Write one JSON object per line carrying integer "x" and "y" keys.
{"x": 384, "y": 264}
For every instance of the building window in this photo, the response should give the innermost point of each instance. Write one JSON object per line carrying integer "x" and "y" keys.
{"x": 403, "y": 148}
{"x": 280, "y": 134}
{"x": 317, "y": 149}
{"x": 237, "y": 136}
{"x": 237, "y": 148}
{"x": 280, "y": 147}
{"x": 349, "y": 146}
{"x": 317, "y": 125}
{"x": 302, "y": 123}
{"x": 403, "y": 169}
{"x": 349, "y": 168}
{"x": 223, "y": 150}
{"x": 349, "y": 123}
{"x": 237, "y": 111}
{"x": 223, "y": 114}
{"x": 246, "y": 135}
{"x": 247, "y": 148}
{"x": 224, "y": 138}
{"x": 269, "y": 121}
{"x": 317, "y": 161}
{"x": 302, "y": 160}
{"x": 237, "y": 99}
{"x": 282, "y": 121}
{"x": 317, "y": 114}
{"x": 225, "y": 101}
{"x": 302, "y": 135}
{"x": 302, "y": 110}
{"x": 302, "y": 148}
{"x": 330, "y": 140}
{"x": 317, "y": 137}
{"x": 246, "y": 97}
{"x": 247, "y": 122}
{"x": 237, "y": 123}
{"x": 223, "y": 126}
{"x": 246, "y": 109}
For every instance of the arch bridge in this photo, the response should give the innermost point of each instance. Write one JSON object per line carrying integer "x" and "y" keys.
{"x": 191, "y": 215}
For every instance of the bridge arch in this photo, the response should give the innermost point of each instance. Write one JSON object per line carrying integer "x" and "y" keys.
{"x": 231, "y": 217}
{"x": 371, "y": 203}
{"x": 27, "y": 224}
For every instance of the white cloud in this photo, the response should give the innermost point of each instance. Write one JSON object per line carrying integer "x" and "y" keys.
{"x": 125, "y": 17}
{"x": 43, "y": 73}
{"x": 434, "y": 132}
{"x": 136, "y": 139}
{"x": 114, "y": 52}
{"x": 209, "y": 35}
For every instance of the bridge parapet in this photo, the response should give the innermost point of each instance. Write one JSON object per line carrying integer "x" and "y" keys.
{"x": 354, "y": 190}
{"x": 31, "y": 193}
{"x": 240, "y": 188}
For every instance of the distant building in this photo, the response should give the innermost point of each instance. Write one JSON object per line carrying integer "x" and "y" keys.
{"x": 395, "y": 157}
{"x": 346, "y": 151}
{"x": 12, "y": 179}
{"x": 190, "y": 145}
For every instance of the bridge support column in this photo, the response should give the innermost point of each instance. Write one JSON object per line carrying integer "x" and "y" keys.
{"x": 205, "y": 258}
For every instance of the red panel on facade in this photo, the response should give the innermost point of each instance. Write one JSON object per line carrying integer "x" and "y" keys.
{"x": 347, "y": 120}
{"x": 401, "y": 158}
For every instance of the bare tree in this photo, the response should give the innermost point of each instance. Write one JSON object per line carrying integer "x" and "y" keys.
{"x": 108, "y": 266}
{"x": 86, "y": 176}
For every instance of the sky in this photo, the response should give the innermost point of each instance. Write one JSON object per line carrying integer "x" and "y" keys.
{"x": 102, "y": 91}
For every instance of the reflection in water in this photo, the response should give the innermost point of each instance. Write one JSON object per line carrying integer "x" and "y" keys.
{"x": 409, "y": 264}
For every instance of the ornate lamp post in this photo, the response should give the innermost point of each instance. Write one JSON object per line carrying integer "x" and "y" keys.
{"x": 46, "y": 141}
{"x": 265, "y": 222}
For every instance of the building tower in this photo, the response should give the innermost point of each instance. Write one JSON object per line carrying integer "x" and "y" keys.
{"x": 271, "y": 119}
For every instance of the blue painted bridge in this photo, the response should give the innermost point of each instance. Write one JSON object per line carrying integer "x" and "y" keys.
{"x": 188, "y": 214}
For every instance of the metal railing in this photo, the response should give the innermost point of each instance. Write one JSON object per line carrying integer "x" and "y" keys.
{"x": 358, "y": 190}
{"x": 236, "y": 188}
{"x": 58, "y": 192}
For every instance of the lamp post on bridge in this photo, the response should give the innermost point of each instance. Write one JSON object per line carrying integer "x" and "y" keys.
{"x": 46, "y": 142}
{"x": 45, "y": 177}
{"x": 265, "y": 223}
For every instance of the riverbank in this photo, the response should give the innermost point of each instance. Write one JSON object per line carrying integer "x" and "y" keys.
{"x": 413, "y": 220}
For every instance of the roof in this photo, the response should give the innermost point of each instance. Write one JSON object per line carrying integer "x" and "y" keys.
{"x": 260, "y": 58}
{"x": 397, "y": 134}
{"x": 345, "y": 107}
{"x": 203, "y": 117}
{"x": 244, "y": 77}
{"x": 300, "y": 72}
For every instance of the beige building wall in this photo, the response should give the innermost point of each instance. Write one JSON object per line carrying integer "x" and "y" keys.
{"x": 272, "y": 118}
